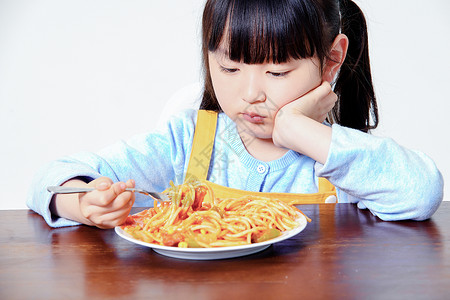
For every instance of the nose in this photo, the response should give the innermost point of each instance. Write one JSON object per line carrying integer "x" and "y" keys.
{"x": 253, "y": 88}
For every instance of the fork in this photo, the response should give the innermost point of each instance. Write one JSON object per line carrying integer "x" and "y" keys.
{"x": 74, "y": 190}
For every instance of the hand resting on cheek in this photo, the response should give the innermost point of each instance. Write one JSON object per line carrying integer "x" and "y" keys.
{"x": 298, "y": 121}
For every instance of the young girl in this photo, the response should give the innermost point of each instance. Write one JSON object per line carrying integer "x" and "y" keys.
{"x": 291, "y": 82}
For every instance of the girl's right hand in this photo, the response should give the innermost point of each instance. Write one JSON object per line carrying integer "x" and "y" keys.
{"x": 109, "y": 205}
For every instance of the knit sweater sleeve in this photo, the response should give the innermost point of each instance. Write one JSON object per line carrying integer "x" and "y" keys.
{"x": 393, "y": 182}
{"x": 151, "y": 159}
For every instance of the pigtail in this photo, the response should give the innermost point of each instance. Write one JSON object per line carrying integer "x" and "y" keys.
{"x": 357, "y": 104}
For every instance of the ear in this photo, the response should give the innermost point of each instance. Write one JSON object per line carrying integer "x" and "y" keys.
{"x": 336, "y": 57}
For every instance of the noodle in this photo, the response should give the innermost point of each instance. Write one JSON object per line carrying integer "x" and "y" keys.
{"x": 195, "y": 218}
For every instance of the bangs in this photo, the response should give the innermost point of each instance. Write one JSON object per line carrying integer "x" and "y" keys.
{"x": 261, "y": 31}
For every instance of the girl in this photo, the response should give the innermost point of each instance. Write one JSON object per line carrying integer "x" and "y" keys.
{"x": 280, "y": 125}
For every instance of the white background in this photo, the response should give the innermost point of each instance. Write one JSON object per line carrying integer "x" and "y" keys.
{"x": 79, "y": 75}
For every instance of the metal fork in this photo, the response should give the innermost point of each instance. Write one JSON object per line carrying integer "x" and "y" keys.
{"x": 74, "y": 190}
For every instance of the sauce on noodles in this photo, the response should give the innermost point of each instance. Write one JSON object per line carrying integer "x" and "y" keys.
{"x": 195, "y": 218}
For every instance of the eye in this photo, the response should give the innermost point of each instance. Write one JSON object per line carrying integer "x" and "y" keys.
{"x": 228, "y": 70}
{"x": 278, "y": 74}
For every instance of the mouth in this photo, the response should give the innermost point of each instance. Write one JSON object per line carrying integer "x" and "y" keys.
{"x": 253, "y": 118}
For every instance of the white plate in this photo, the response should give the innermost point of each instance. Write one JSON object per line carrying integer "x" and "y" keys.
{"x": 218, "y": 252}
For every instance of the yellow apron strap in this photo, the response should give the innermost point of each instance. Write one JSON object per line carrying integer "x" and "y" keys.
{"x": 325, "y": 185}
{"x": 292, "y": 198}
{"x": 200, "y": 158}
{"x": 202, "y": 145}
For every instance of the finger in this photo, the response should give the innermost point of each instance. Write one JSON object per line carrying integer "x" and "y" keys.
{"x": 320, "y": 92}
{"x": 113, "y": 192}
{"x": 112, "y": 219}
{"x": 107, "y": 201}
{"x": 325, "y": 88}
{"x": 124, "y": 199}
{"x": 330, "y": 100}
{"x": 101, "y": 183}
{"x": 104, "y": 184}
{"x": 106, "y": 197}
{"x": 131, "y": 183}
{"x": 325, "y": 94}
{"x": 94, "y": 212}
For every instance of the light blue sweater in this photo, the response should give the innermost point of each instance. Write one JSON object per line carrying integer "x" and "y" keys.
{"x": 393, "y": 182}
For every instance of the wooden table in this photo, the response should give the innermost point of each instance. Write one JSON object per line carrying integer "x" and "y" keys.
{"x": 345, "y": 253}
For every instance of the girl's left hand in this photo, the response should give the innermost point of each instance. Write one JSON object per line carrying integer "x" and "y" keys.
{"x": 316, "y": 104}
{"x": 298, "y": 124}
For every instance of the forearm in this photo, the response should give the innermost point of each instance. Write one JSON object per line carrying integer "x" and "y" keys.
{"x": 304, "y": 135}
{"x": 394, "y": 182}
{"x": 67, "y": 205}
{"x": 143, "y": 158}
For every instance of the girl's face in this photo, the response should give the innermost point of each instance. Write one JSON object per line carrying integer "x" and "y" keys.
{"x": 252, "y": 94}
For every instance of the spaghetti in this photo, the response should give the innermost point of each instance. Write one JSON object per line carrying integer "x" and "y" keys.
{"x": 195, "y": 218}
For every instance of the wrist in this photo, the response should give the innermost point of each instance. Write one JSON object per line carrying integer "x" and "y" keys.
{"x": 285, "y": 129}
{"x": 67, "y": 206}
{"x": 303, "y": 135}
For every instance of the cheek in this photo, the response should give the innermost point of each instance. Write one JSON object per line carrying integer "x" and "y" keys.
{"x": 221, "y": 93}
{"x": 296, "y": 87}
{"x": 224, "y": 89}
{"x": 288, "y": 92}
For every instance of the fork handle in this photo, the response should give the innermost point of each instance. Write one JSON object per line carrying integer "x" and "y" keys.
{"x": 75, "y": 190}
{"x": 68, "y": 190}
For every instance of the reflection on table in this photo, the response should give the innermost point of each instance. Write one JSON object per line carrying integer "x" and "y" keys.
{"x": 343, "y": 253}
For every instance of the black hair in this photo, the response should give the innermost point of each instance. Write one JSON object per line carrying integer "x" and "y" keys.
{"x": 276, "y": 31}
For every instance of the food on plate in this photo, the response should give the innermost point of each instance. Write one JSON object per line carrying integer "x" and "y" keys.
{"x": 195, "y": 218}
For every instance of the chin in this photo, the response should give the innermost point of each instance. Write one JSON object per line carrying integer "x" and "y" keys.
{"x": 260, "y": 134}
